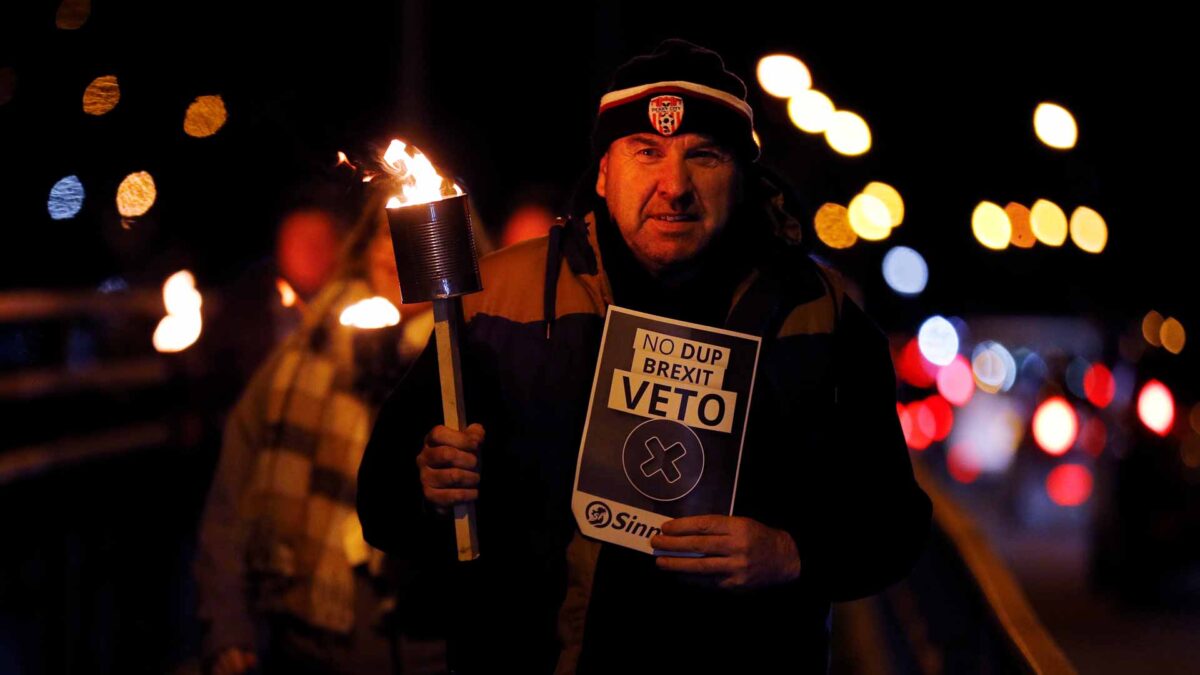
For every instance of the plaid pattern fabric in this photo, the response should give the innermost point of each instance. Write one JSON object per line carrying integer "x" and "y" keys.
{"x": 305, "y": 538}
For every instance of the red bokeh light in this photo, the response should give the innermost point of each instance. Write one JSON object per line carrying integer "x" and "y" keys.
{"x": 1069, "y": 485}
{"x": 913, "y": 436}
{"x": 955, "y": 382}
{"x": 1099, "y": 385}
{"x": 960, "y": 464}
{"x": 943, "y": 415}
{"x": 914, "y": 368}
{"x": 1094, "y": 436}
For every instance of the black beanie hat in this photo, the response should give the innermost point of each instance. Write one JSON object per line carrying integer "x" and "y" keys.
{"x": 678, "y": 88}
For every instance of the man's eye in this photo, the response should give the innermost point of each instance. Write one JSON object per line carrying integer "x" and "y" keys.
{"x": 709, "y": 157}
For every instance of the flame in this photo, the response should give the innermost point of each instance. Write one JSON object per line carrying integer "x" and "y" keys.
{"x": 286, "y": 294}
{"x": 419, "y": 181}
{"x": 342, "y": 159}
{"x": 181, "y": 327}
{"x": 180, "y": 295}
{"x": 177, "y": 332}
{"x": 374, "y": 312}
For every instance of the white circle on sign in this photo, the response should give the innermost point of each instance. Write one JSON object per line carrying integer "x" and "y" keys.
{"x": 688, "y": 476}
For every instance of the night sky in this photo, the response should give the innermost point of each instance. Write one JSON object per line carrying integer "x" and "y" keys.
{"x": 503, "y": 99}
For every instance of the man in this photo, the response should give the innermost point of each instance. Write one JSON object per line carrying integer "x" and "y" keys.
{"x": 688, "y": 227}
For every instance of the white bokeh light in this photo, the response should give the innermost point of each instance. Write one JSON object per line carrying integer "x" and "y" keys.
{"x": 905, "y": 271}
{"x": 938, "y": 341}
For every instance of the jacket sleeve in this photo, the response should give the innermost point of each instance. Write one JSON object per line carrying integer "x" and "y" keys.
{"x": 220, "y": 565}
{"x": 391, "y": 506}
{"x": 866, "y": 518}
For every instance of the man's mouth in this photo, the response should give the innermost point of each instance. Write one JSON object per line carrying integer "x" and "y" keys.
{"x": 675, "y": 217}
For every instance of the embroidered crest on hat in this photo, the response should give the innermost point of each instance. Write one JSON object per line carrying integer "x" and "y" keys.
{"x": 666, "y": 114}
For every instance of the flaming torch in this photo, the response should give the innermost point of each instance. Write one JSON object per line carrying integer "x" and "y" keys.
{"x": 436, "y": 261}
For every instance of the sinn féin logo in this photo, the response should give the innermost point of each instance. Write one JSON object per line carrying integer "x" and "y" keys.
{"x": 598, "y": 514}
{"x": 666, "y": 114}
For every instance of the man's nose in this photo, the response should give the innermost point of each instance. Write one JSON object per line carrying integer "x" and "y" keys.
{"x": 675, "y": 181}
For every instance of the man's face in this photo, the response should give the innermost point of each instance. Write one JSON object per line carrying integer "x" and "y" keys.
{"x": 669, "y": 195}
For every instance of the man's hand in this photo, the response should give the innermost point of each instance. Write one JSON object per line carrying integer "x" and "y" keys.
{"x": 234, "y": 661}
{"x": 449, "y": 465}
{"x": 737, "y": 552}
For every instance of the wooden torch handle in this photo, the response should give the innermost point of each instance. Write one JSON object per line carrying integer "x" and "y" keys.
{"x": 447, "y": 318}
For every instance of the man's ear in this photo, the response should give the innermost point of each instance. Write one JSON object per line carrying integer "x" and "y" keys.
{"x": 602, "y": 176}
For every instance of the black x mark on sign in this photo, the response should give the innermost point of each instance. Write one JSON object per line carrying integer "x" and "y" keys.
{"x": 663, "y": 459}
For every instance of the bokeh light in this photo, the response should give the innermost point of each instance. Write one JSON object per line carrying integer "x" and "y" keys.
{"x": 924, "y": 418}
{"x": 1099, "y": 385}
{"x": 1152, "y": 325}
{"x": 955, "y": 383}
{"x": 905, "y": 271}
{"x": 811, "y": 111}
{"x": 375, "y": 312}
{"x": 914, "y": 368}
{"x": 181, "y": 327}
{"x": 938, "y": 340}
{"x": 180, "y": 295}
{"x": 890, "y": 197}
{"x": 66, "y": 198}
{"x": 993, "y": 366}
{"x": 1088, "y": 230}
{"x": 72, "y": 14}
{"x": 136, "y": 194}
{"x": 1055, "y": 126}
{"x": 1094, "y": 436}
{"x": 1055, "y": 426}
{"x": 177, "y": 332}
{"x": 1049, "y": 222}
{"x": 1172, "y": 335}
{"x": 1069, "y": 484}
{"x": 1156, "y": 407}
{"x": 990, "y": 428}
{"x": 287, "y": 294}
{"x": 1022, "y": 229}
{"x": 990, "y": 224}
{"x": 960, "y": 463}
{"x": 1031, "y": 366}
{"x": 869, "y": 218}
{"x": 832, "y": 224}
{"x": 943, "y": 416}
{"x": 1194, "y": 418}
{"x": 205, "y": 116}
{"x": 913, "y": 436}
{"x": 102, "y": 95}
{"x": 783, "y": 75}
{"x": 1189, "y": 452}
{"x": 848, "y": 134}
{"x": 1076, "y": 370}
